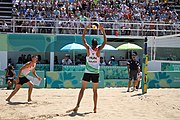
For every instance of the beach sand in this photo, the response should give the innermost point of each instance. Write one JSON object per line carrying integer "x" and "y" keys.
{"x": 113, "y": 104}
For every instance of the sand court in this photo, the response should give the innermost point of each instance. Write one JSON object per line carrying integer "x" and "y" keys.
{"x": 113, "y": 104}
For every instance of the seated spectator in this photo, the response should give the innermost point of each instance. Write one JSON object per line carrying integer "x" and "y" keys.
{"x": 102, "y": 63}
{"x": 10, "y": 76}
{"x": 112, "y": 61}
{"x": 28, "y": 58}
{"x": 66, "y": 60}
{"x": 79, "y": 59}
{"x": 21, "y": 59}
{"x": 39, "y": 59}
{"x": 4, "y": 26}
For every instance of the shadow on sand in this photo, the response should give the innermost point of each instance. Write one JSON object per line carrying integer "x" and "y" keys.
{"x": 73, "y": 114}
{"x": 18, "y": 103}
{"x": 139, "y": 94}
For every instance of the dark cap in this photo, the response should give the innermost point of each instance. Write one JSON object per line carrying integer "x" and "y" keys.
{"x": 134, "y": 54}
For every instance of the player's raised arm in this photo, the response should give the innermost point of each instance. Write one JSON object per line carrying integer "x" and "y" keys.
{"x": 105, "y": 39}
{"x": 83, "y": 36}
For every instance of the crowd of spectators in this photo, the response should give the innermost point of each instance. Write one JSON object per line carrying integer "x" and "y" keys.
{"x": 127, "y": 11}
{"x": 26, "y": 58}
{"x": 79, "y": 60}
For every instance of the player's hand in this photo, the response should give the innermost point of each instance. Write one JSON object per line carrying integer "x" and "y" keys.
{"x": 39, "y": 78}
{"x": 89, "y": 25}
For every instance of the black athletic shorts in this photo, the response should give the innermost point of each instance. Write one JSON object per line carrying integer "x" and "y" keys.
{"x": 23, "y": 80}
{"x": 133, "y": 74}
{"x": 90, "y": 76}
{"x": 9, "y": 78}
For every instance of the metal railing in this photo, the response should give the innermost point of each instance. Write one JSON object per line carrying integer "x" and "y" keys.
{"x": 116, "y": 28}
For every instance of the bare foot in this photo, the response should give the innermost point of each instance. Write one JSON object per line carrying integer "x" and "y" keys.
{"x": 29, "y": 101}
{"x": 95, "y": 110}
{"x": 74, "y": 110}
{"x": 8, "y": 100}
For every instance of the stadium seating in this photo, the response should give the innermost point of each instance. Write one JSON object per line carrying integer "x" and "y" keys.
{"x": 42, "y": 14}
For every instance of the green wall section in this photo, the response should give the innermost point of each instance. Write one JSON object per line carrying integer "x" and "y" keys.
{"x": 164, "y": 79}
{"x": 116, "y": 83}
{"x": 72, "y": 79}
{"x": 3, "y": 42}
{"x": 40, "y": 43}
{"x": 29, "y": 42}
{"x": 39, "y": 67}
{"x": 68, "y": 79}
{"x": 114, "y": 72}
{"x": 170, "y": 66}
{"x": 42, "y": 67}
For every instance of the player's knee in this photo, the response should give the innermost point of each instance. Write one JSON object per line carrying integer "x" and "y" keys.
{"x": 82, "y": 89}
{"x": 94, "y": 90}
{"x": 30, "y": 85}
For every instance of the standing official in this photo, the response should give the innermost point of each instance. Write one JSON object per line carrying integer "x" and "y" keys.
{"x": 133, "y": 70}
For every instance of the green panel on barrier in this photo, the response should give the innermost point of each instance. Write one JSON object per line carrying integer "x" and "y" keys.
{"x": 41, "y": 74}
{"x": 68, "y": 79}
{"x": 115, "y": 83}
{"x": 57, "y": 67}
{"x": 54, "y": 79}
{"x": 18, "y": 66}
{"x": 73, "y": 68}
{"x": 115, "y": 72}
{"x": 43, "y": 67}
{"x": 39, "y": 67}
{"x": 170, "y": 66}
{"x": 164, "y": 79}
{"x": 110, "y": 72}
{"x": 73, "y": 79}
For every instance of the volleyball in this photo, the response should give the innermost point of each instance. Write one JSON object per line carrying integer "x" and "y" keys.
{"x": 95, "y": 25}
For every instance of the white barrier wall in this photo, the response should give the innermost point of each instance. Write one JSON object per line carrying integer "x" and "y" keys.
{"x": 154, "y": 65}
{"x": 3, "y": 60}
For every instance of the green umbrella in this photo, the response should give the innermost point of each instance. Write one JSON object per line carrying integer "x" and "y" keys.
{"x": 129, "y": 46}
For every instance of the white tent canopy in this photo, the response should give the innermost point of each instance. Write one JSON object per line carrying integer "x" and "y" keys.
{"x": 170, "y": 42}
